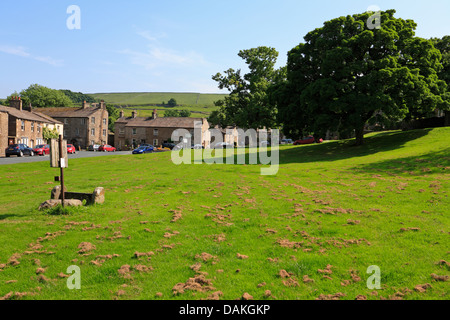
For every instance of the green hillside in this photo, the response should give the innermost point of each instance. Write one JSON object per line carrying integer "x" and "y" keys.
{"x": 200, "y": 104}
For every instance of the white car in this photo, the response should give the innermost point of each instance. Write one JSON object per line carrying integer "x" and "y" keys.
{"x": 287, "y": 141}
{"x": 222, "y": 145}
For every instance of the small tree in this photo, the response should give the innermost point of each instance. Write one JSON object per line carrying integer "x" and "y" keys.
{"x": 172, "y": 103}
{"x": 184, "y": 113}
{"x": 48, "y": 134}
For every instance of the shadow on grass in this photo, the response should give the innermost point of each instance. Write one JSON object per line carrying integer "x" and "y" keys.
{"x": 333, "y": 150}
{"x": 431, "y": 163}
{"x": 6, "y": 216}
{"x": 339, "y": 150}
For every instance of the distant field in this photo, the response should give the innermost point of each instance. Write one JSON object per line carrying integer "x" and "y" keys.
{"x": 157, "y": 98}
{"x": 200, "y": 104}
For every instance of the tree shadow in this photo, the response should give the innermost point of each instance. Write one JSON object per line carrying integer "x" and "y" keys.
{"x": 6, "y": 216}
{"x": 340, "y": 150}
{"x": 428, "y": 164}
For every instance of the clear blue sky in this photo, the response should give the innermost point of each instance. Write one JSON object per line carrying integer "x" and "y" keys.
{"x": 165, "y": 46}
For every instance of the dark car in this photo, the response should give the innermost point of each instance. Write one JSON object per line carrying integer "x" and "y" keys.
{"x": 169, "y": 145}
{"x": 143, "y": 149}
{"x": 19, "y": 150}
{"x": 93, "y": 147}
{"x": 42, "y": 150}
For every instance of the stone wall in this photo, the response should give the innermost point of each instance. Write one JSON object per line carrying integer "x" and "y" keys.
{"x": 3, "y": 133}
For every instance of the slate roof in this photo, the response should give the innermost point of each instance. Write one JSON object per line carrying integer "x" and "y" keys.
{"x": 70, "y": 112}
{"x": 166, "y": 122}
{"x": 27, "y": 115}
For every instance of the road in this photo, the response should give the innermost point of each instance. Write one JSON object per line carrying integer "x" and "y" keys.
{"x": 79, "y": 154}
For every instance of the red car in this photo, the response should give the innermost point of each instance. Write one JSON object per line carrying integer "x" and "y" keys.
{"x": 42, "y": 150}
{"x": 71, "y": 149}
{"x": 308, "y": 140}
{"x": 106, "y": 148}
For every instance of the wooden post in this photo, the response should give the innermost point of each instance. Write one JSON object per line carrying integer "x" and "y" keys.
{"x": 61, "y": 165}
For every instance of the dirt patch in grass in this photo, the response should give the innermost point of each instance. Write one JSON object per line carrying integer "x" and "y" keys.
{"x": 86, "y": 247}
{"x": 198, "y": 283}
{"x": 336, "y": 296}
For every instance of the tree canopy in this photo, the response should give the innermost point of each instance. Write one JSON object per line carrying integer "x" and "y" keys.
{"x": 248, "y": 105}
{"x": 346, "y": 74}
{"x": 177, "y": 113}
{"x": 172, "y": 102}
{"x": 78, "y": 97}
{"x": 42, "y": 97}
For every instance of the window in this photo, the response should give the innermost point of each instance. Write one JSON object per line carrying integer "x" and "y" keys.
{"x": 83, "y": 121}
{"x": 22, "y": 127}
{"x": 65, "y": 133}
{"x": 38, "y": 128}
{"x": 92, "y": 132}
{"x": 104, "y": 132}
{"x": 93, "y": 120}
{"x": 155, "y": 132}
{"x": 32, "y": 127}
{"x": 155, "y": 142}
{"x": 121, "y": 131}
{"x": 104, "y": 121}
{"x": 92, "y": 142}
{"x": 77, "y": 131}
{"x": 66, "y": 121}
{"x": 134, "y": 131}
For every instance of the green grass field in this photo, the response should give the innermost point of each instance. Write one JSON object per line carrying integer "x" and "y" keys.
{"x": 200, "y": 104}
{"x": 203, "y": 231}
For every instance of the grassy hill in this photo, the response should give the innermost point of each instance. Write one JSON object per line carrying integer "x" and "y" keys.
{"x": 200, "y": 104}
{"x": 309, "y": 232}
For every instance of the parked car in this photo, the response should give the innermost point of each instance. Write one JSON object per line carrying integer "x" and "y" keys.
{"x": 93, "y": 147}
{"x": 71, "y": 149}
{"x": 106, "y": 148}
{"x": 197, "y": 146}
{"x": 286, "y": 141}
{"x": 222, "y": 145}
{"x": 307, "y": 140}
{"x": 19, "y": 150}
{"x": 42, "y": 150}
{"x": 265, "y": 143}
{"x": 143, "y": 149}
{"x": 169, "y": 145}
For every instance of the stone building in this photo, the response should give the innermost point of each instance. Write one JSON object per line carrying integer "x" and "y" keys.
{"x": 19, "y": 124}
{"x": 133, "y": 131}
{"x": 82, "y": 126}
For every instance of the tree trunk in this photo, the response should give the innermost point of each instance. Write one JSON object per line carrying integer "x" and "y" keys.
{"x": 359, "y": 132}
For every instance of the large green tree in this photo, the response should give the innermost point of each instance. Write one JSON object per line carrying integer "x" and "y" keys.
{"x": 113, "y": 115}
{"x": 345, "y": 74}
{"x": 248, "y": 104}
{"x": 42, "y": 97}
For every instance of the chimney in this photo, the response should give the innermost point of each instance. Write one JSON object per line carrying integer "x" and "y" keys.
{"x": 29, "y": 108}
{"x": 16, "y": 103}
{"x": 102, "y": 104}
{"x": 154, "y": 114}
{"x": 122, "y": 114}
{"x": 133, "y": 114}
{"x": 85, "y": 105}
